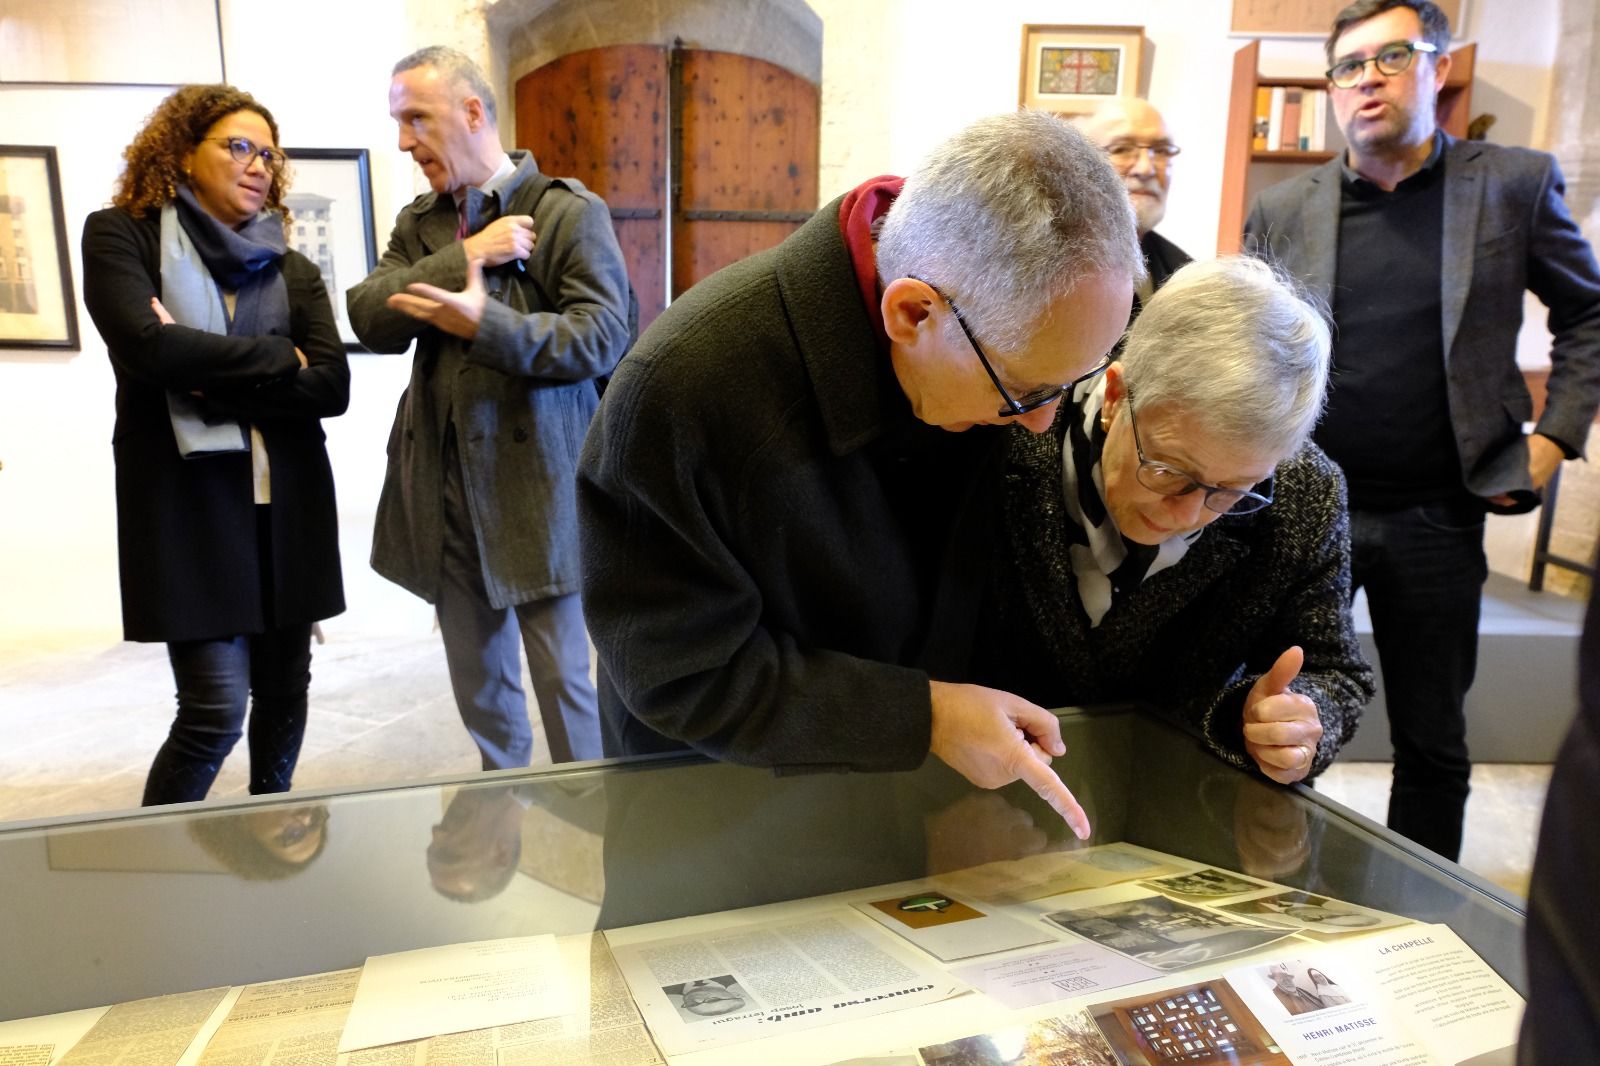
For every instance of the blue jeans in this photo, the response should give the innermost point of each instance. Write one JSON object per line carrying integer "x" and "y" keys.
{"x": 271, "y": 673}
{"x": 1423, "y": 568}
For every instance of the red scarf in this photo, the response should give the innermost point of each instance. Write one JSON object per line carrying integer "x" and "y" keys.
{"x": 859, "y": 211}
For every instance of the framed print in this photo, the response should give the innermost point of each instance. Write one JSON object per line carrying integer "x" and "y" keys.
{"x": 1071, "y": 69}
{"x": 37, "y": 305}
{"x": 91, "y": 42}
{"x": 330, "y": 199}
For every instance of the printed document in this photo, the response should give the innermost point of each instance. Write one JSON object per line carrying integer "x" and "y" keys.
{"x": 750, "y": 981}
{"x": 455, "y": 988}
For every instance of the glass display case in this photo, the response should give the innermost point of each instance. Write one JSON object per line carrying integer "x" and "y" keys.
{"x": 105, "y": 909}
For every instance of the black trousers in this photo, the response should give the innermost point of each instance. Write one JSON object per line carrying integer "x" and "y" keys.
{"x": 1423, "y": 568}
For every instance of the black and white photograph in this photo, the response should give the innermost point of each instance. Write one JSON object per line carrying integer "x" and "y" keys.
{"x": 330, "y": 199}
{"x": 1164, "y": 933}
{"x": 1301, "y": 988}
{"x": 1206, "y": 884}
{"x": 710, "y": 997}
{"x": 37, "y": 306}
{"x": 1310, "y": 913}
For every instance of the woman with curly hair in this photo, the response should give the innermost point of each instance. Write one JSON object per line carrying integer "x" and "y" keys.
{"x": 226, "y": 356}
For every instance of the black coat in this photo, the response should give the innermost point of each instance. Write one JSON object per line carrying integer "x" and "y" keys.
{"x": 186, "y": 528}
{"x": 1563, "y": 1020}
{"x": 1162, "y": 259}
{"x": 776, "y": 553}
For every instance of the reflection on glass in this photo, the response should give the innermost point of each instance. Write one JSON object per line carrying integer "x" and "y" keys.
{"x": 476, "y": 845}
{"x": 265, "y": 844}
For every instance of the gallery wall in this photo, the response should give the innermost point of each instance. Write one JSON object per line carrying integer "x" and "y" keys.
{"x": 898, "y": 76}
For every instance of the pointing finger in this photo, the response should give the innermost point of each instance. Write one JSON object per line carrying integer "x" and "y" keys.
{"x": 1053, "y": 791}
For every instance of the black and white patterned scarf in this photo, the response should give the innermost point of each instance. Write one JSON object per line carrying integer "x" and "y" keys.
{"x": 1107, "y": 565}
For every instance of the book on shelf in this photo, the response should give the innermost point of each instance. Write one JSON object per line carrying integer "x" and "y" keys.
{"x": 1275, "y": 117}
{"x": 1289, "y": 132}
{"x": 1308, "y": 117}
{"x": 1263, "y": 118}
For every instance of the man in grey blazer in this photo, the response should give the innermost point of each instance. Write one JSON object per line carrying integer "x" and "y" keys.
{"x": 515, "y": 291}
{"x": 1423, "y": 246}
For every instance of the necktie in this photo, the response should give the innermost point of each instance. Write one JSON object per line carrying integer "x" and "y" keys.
{"x": 461, "y": 222}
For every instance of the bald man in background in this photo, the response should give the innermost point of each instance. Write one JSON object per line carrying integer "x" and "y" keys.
{"x": 1134, "y": 135}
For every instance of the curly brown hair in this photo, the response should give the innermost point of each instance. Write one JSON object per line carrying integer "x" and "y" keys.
{"x": 174, "y": 128}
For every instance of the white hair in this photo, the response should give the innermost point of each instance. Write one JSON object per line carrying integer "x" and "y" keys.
{"x": 1233, "y": 343}
{"x": 1008, "y": 216}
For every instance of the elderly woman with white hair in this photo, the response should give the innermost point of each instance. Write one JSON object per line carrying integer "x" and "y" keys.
{"x": 1178, "y": 539}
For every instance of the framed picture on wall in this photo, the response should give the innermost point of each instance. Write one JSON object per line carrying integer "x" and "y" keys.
{"x": 330, "y": 200}
{"x": 1071, "y": 69}
{"x": 37, "y": 305}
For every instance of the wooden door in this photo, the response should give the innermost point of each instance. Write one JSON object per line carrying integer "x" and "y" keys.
{"x": 747, "y": 150}
{"x": 703, "y": 157}
{"x": 601, "y": 116}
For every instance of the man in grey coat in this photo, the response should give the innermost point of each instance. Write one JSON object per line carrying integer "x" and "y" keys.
{"x": 1423, "y": 246}
{"x": 788, "y": 496}
{"x": 515, "y": 291}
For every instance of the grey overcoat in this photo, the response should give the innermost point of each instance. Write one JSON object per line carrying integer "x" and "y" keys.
{"x": 520, "y": 394}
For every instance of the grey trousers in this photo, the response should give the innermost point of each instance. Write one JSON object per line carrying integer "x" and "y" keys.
{"x": 481, "y": 650}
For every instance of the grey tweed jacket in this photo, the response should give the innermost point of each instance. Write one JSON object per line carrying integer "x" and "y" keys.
{"x": 1193, "y": 638}
{"x": 1506, "y": 230}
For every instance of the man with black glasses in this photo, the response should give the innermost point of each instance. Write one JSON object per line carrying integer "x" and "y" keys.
{"x": 1423, "y": 246}
{"x": 1134, "y": 137}
{"x": 788, "y": 496}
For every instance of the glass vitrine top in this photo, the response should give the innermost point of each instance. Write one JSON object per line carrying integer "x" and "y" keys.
{"x": 105, "y": 909}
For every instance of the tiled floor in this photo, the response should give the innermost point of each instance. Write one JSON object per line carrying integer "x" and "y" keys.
{"x": 81, "y": 729}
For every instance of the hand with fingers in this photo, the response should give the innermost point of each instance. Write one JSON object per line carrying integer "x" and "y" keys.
{"x": 1544, "y": 459}
{"x": 506, "y": 238}
{"x": 456, "y": 313}
{"x": 1281, "y": 728}
{"x": 993, "y": 738}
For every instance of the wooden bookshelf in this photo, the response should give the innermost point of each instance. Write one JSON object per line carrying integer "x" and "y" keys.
{"x": 1246, "y": 169}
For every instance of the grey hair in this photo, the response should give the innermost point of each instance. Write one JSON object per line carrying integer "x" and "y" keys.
{"x": 1234, "y": 342}
{"x": 1435, "y": 23}
{"x": 1007, "y": 217}
{"x": 462, "y": 70}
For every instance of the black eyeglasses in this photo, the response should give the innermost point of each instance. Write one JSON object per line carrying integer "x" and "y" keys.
{"x": 243, "y": 150}
{"x": 1031, "y": 400}
{"x": 1170, "y": 481}
{"x": 1124, "y": 154}
{"x": 1393, "y": 58}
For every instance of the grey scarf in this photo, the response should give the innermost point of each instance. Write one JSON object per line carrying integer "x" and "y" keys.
{"x": 199, "y": 256}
